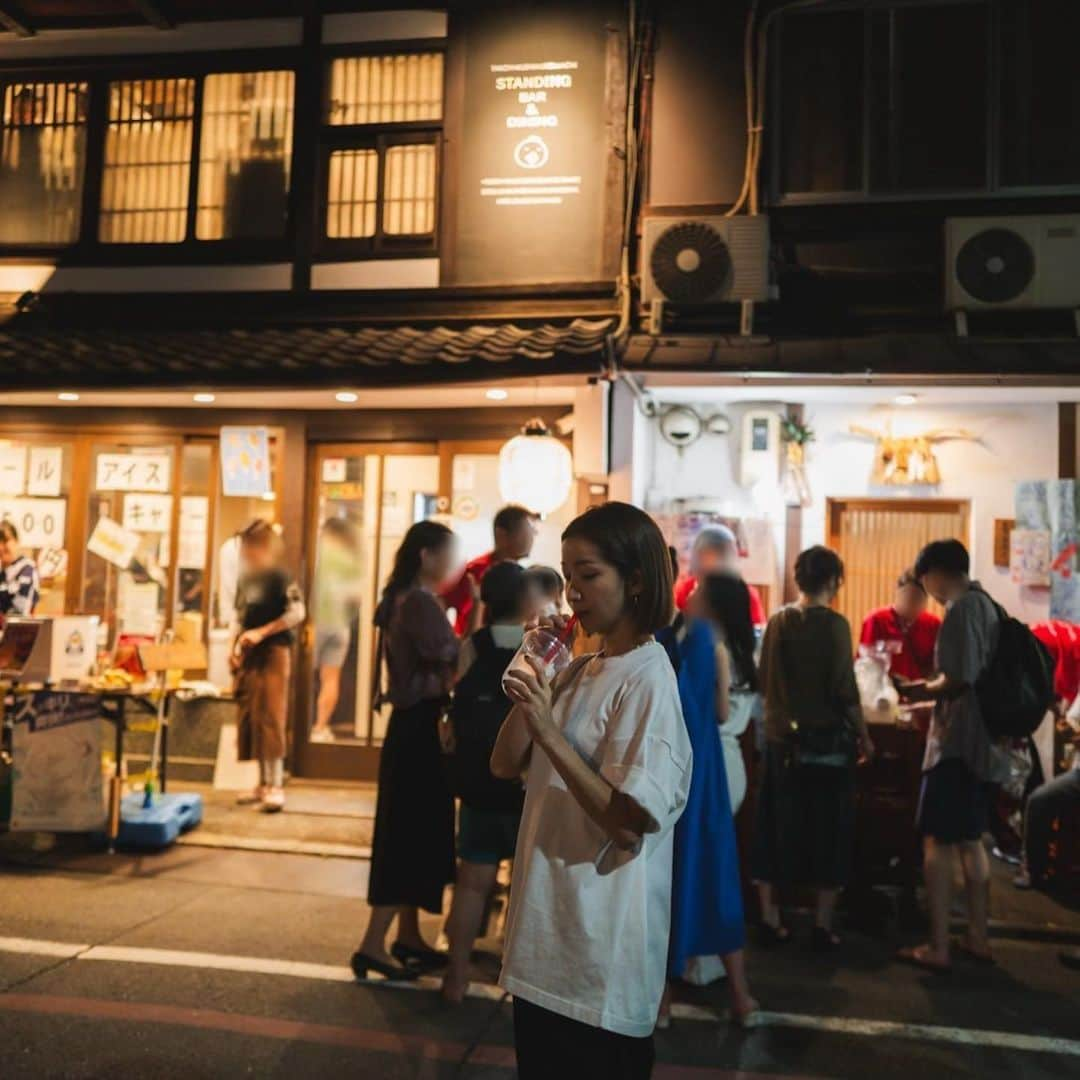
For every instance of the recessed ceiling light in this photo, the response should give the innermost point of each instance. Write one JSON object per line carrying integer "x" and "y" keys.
{"x": 67, "y": 395}
{"x": 346, "y": 397}
{"x": 497, "y": 395}
{"x": 204, "y": 399}
{"x": 905, "y": 399}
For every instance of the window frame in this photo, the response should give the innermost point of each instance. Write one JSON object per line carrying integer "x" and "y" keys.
{"x": 379, "y": 137}
{"x": 992, "y": 187}
{"x": 88, "y": 249}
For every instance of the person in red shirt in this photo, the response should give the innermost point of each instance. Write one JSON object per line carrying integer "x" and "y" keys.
{"x": 515, "y": 530}
{"x": 1062, "y": 639}
{"x": 716, "y": 550}
{"x": 906, "y": 621}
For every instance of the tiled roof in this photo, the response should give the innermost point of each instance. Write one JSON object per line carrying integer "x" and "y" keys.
{"x": 42, "y": 355}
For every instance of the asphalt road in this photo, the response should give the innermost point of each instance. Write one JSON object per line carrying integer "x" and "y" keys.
{"x": 210, "y": 963}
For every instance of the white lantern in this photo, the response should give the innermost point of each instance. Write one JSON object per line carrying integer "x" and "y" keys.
{"x": 536, "y": 470}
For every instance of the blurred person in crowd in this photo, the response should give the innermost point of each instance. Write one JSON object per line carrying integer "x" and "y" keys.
{"x": 20, "y": 586}
{"x": 337, "y": 592}
{"x": 269, "y": 609}
{"x": 907, "y": 624}
{"x": 716, "y": 549}
{"x": 490, "y": 808}
{"x": 607, "y": 764}
{"x": 814, "y": 729}
{"x": 515, "y": 530}
{"x": 546, "y": 589}
{"x": 412, "y": 852}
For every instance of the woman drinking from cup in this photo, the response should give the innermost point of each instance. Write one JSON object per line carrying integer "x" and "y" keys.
{"x": 606, "y": 759}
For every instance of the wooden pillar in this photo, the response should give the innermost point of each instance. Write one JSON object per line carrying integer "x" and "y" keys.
{"x": 793, "y": 521}
{"x": 1067, "y": 440}
{"x": 305, "y": 172}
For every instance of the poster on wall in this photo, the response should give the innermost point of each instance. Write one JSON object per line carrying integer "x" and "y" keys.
{"x": 12, "y": 470}
{"x": 147, "y": 513}
{"x": 1050, "y": 506}
{"x": 1029, "y": 557}
{"x": 113, "y": 542}
{"x": 46, "y": 470}
{"x": 56, "y": 774}
{"x": 245, "y": 461}
{"x": 133, "y": 472}
{"x": 540, "y": 176}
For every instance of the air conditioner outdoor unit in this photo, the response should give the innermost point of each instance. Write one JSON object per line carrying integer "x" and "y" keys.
{"x": 706, "y": 260}
{"x": 1012, "y": 262}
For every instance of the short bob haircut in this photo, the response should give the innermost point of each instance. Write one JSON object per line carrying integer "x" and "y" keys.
{"x": 630, "y": 540}
{"x": 947, "y": 556}
{"x": 816, "y": 567}
{"x": 503, "y": 592}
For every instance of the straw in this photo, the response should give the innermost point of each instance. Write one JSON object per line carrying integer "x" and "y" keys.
{"x": 562, "y": 639}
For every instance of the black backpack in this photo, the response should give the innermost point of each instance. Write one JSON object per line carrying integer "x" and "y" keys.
{"x": 478, "y": 711}
{"x": 1017, "y": 687}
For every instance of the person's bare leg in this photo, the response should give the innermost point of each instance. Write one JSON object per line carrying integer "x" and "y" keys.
{"x": 373, "y": 944}
{"x": 824, "y": 909}
{"x": 742, "y": 1000}
{"x": 938, "y": 871}
{"x": 329, "y": 693}
{"x": 976, "y": 867}
{"x": 474, "y": 884}
{"x": 663, "y": 1019}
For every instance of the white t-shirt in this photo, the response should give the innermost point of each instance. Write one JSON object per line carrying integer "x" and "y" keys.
{"x": 587, "y": 932}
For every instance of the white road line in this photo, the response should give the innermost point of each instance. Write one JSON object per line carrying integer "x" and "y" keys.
{"x": 34, "y": 947}
{"x": 1003, "y": 1040}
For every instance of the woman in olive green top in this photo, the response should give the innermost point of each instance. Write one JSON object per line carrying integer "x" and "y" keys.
{"x": 813, "y": 725}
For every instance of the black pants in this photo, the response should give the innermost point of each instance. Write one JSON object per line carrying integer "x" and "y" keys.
{"x": 1054, "y": 800}
{"x": 550, "y": 1046}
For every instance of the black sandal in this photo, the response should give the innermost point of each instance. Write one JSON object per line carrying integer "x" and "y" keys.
{"x": 770, "y": 936}
{"x": 362, "y": 965}
{"x": 418, "y": 960}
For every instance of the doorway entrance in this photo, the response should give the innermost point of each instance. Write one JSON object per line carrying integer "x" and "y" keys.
{"x": 362, "y": 499}
{"x": 879, "y": 538}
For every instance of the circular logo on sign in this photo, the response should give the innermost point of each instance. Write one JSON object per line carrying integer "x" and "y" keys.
{"x": 466, "y": 508}
{"x": 531, "y": 153}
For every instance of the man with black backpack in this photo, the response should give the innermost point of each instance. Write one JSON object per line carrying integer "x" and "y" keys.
{"x": 961, "y": 765}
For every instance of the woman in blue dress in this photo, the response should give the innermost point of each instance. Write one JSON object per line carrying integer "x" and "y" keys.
{"x": 706, "y": 902}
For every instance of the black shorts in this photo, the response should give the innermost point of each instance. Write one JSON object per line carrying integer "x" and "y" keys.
{"x": 954, "y": 804}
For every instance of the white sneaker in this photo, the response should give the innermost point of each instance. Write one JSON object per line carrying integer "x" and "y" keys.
{"x": 273, "y": 801}
{"x": 322, "y": 735}
{"x": 252, "y": 798}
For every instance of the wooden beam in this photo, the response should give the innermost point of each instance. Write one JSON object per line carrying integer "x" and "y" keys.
{"x": 1067, "y": 439}
{"x": 154, "y": 13}
{"x": 11, "y": 18}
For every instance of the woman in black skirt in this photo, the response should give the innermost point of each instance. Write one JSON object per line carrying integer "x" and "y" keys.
{"x": 814, "y": 728}
{"x": 412, "y": 856}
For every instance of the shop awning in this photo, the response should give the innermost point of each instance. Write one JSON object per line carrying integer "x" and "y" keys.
{"x": 42, "y": 354}
{"x": 897, "y": 354}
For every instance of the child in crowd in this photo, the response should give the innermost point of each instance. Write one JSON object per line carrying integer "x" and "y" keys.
{"x": 269, "y": 608}
{"x": 490, "y": 808}
{"x": 546, "y": 590}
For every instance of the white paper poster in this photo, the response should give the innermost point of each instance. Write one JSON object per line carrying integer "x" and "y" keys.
{"x": 148, "y": 513}
{"x": 137, "y": 606}
{"x": 1029, "y": 557}
{"x": 40, "y": 522}
{"x": 464, "y": 475}
{"x": 12, "y": 470}
{"x": 46, "y": 470}
{"x": 333, "y": 470}
{"x": 194, "y": 525}
{"x": 133, "y": 472}
{"x": 56, "y": 778}
{"x": 113, "y": 542}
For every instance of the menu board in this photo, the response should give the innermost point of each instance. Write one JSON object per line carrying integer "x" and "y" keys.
{"x": 539, "y": 171}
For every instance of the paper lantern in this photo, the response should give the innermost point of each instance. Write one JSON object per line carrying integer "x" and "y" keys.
{"x": 536, "y": 470}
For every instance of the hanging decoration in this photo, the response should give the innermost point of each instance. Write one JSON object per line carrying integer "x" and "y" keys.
{"x": 796, "y": 436}
{"x": 903, "y": 460}
{"x": 536, "y": 470}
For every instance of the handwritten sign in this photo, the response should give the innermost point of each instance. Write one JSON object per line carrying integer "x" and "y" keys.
{"x": 12, "y": 470}
{"x": 147, "y": 513}
{"x": 194, "y": 528}
{"x": 133, "y": 472}
{"x": 40, "y": 522}
{"x": 46, "y": 470}
{"x": 56, "y": 746}
{"x": 113, "y": 542}
{"x": 1029, "y": 557}
{"x": 245, "y": 461}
